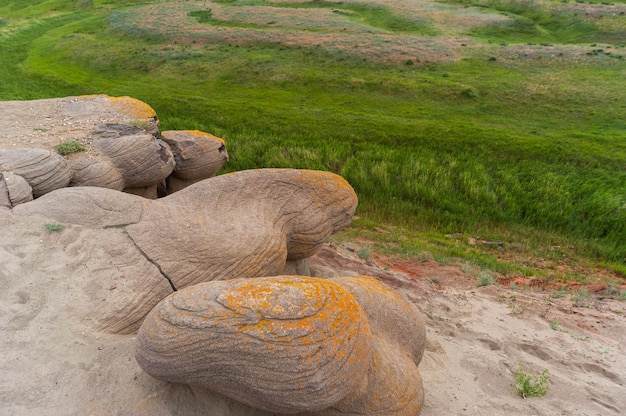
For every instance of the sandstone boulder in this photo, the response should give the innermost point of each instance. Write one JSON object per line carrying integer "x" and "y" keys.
{"x": 198, "y": 156}
{"x": 14, "y": 190}
{"x": 44, "y": 170}
{"x": 291, "y": 344}
{"x": 285, "y": 345}
{"x": 65, "y": 350}
{"x": 120, "y": 135}
{"x": 243, "y": 224}
{"x": 96, "y": 171}
{"x": 393, "y": 385}
{"x": 45, "y": 123}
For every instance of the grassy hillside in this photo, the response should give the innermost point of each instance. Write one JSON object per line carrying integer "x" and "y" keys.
{"x": 499, "y": 120}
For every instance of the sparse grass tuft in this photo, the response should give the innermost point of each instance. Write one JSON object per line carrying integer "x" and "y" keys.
{"x": 485, "y": 278}
{"x": 53, "y": 227}
{"x": 69, "y": 147}
{"x": 364, "y": 252}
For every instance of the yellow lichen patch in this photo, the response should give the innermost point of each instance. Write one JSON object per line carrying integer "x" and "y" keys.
{"x": 132, "y": 107}
{"x": 284, "y": 344}
{"x": 306, "y": 312}
{"x": 203, "y": 134}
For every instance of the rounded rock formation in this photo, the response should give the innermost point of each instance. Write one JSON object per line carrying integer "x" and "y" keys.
{"x": 198, "y": 156}
{"x": 242, "y": 224}
{"x": 283, "y": 344}
{"x": 394, "y": 385}
{"x": 291, "y": 345}
{"x": 231, "y": 226}
{"x": 14, "y": 190}
{"x": 43, "y": 170}
{"x": 100, "y": 172}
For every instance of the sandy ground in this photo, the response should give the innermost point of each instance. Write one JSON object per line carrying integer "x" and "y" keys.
{"x": 479, "y": 336}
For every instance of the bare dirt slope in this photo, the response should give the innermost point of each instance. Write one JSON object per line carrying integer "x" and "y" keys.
{"x": 479, "y": 336}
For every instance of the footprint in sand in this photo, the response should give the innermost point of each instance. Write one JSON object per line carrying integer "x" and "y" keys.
{"x": 606, "y": 405}
{"x": 593, "y": 368}
{"x": 536, "y": 351}
{"x": 491, "y": 344}
{"x": 23, "y": 310}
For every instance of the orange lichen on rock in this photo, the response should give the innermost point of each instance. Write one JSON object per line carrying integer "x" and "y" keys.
{"x": 202, "y": 134}
{"x": 393, "y": 386}
{"x": 132, "y": 107}
{"x": 198, "y": 156}
{"x": 243, "y": 224}
{"x": 284, "y": 344}
{"x": 291, "y": 344}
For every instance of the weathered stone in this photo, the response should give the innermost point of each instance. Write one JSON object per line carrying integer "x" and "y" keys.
{"x": 120, "y": 134}
{"x": 291, "y": 344}
{"x": 243, "y": 224}
{"x": 283, "y": 344}
{"x": 393, "y": 385}
{"x": 198, "y": 156}
{"x": 43, "y": 170}
{"x": 112, "y": 110}
{"x": 218, "y": 229}
{"x": 388, "y": 313}
{"x": 92, "y": 171}
{"x": 143, "y": 160}
{"x": 14, "y": 190}
{"x": 88, "y": 206}
{"x": 46, "y": 121}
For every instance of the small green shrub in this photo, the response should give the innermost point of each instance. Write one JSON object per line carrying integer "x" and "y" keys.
{"x": 69, "y": 147}
{"x": 530, "y": 385}
{"x": 485, "y": 279}
{"x": 53, "y": 227}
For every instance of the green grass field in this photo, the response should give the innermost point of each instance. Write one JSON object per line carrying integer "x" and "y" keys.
{"x": 508, "y": 126}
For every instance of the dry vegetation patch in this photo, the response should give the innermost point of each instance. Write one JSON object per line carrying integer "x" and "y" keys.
{"x": 326, "y": 28}
{"x": 344, "y": 30}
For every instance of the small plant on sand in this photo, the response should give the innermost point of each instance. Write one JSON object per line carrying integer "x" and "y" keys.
{"x": 485, "y": 279}
{"x": 69, "y": 147}
{"x": 53, "y": 227}
{"x": 530, "y": 385}
{"x": 554, "y": 325}
{"x": 515, "y": 309}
